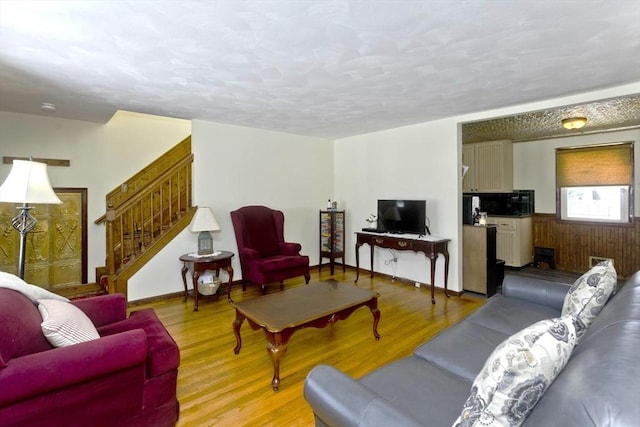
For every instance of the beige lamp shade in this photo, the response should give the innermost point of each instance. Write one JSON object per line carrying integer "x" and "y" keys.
{"x": 204, "y": 220}
{"x": 28, "y": 182}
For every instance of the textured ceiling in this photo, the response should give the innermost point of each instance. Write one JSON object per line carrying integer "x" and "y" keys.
{"x": 330, "y": 68}
{"x": 602, "y": 116}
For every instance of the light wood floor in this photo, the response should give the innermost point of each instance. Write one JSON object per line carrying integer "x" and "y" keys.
{"x": 217, "y": 387}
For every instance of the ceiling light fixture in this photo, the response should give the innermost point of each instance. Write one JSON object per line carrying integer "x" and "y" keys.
{"x": 574, "y": 122}
{"x": 48, "y": 107}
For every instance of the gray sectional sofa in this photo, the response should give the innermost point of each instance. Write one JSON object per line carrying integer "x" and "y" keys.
{"x": 598, "y": 386}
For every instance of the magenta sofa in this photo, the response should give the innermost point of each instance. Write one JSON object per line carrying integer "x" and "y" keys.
{"x": 127, "y": 377}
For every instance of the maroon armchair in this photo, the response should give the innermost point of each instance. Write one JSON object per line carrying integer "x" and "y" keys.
{"x": 126, "y": 377}
{"x": 264, "y": 255}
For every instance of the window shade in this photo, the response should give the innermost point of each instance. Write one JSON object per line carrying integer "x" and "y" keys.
{"x": 595, "y": 165}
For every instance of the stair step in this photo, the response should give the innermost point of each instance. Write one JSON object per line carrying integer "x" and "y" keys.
{"x": 81, "y": 291}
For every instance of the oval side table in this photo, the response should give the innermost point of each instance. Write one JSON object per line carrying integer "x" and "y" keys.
{"x": 198, "y": 264}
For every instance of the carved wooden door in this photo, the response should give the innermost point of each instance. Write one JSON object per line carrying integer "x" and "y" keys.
{"x": 56, "y": 247}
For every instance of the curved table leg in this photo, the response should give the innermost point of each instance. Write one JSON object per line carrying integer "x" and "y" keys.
{"x": 196, "y": 276}
{"x": 376, "y": 320}
{"x": 446, "y": 273}
{"x": 236, "y": 330}
{"x": 371, "y": 257}
{"x": 373, "y": 306}
{"x": 433, "y": 258}
{"x": 357, "y": 262}
{"x": 230, "y": 273}
{"x": 184, "y": 282}
{"x": 277, "y": 347}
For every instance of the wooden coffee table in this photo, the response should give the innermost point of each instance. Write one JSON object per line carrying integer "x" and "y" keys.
{"x": 314, "y": 305}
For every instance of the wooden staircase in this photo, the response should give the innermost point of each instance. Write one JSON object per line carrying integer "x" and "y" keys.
{"x": 144, "y": 214}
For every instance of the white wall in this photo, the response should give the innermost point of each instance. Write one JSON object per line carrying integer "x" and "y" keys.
{"x": 534, "y": 164}
{"x": 236, "y": 166}
{"x": 102, "y": 156}
{"x": 411, "y": 162}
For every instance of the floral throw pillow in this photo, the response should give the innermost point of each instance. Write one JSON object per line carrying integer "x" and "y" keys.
{"x": 589, "y": 294}
{"x": 517, "y": 374}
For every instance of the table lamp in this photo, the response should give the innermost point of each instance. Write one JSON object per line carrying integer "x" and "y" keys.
{"x": 27, "y": 183}
{"x": 204, "y": 222}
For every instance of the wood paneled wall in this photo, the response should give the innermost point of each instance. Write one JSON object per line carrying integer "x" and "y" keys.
{"x": 574, "y": 242}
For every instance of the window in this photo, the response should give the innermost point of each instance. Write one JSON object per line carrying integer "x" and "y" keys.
{"x": 595, "y": 183}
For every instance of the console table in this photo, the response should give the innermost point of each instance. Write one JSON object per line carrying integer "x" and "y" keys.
{"x": 429, "y": 245}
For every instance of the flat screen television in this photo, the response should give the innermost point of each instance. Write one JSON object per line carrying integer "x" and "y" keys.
{"x": 402, "y": 216}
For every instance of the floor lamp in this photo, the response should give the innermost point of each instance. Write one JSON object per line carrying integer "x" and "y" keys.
{"x": 27, "y": 183}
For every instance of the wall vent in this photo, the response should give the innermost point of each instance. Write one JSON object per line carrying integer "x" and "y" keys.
{"x": 595, "y": 260}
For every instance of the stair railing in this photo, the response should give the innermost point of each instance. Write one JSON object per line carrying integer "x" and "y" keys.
{"x": 141, "y": 212}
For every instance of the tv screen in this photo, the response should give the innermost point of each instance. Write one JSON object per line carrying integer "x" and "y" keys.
{"x": 402, "y": 216}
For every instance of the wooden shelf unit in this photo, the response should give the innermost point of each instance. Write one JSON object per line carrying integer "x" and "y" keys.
{"x": 332, "y": 238}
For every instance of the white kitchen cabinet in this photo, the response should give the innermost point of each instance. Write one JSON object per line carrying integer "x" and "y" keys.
{"x": 490, "y": 166}
{"x": 514, "y": 239}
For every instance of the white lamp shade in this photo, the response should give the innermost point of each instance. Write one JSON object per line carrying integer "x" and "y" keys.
{"x": 28, "y": 182}
{"x": 204, "y": 220}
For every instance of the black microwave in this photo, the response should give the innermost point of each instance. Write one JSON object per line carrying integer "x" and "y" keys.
{"x": 518, "y": 202}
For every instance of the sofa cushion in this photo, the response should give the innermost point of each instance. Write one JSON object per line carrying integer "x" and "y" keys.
{"x": 420, "y": 389}
{"x": 517, "y": 374}
{"x": 163, "y": 354}
{"x": 589, "y": 294}
{"x": 20, "y": 332}
{"x": 510, "y": 315}
{"x": 65, "y": 324}
{"x": 461, "y": 349}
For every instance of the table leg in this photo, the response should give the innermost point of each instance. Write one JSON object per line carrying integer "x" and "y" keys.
{"x": 446, "y": 273}
{"x": 371, "y": 247}
{"x": 196, "y": 276}
{"x": 237, "y": 323}
{"x": 276, "y": 352}
{"x": 433, "y": 258}
{"x": 184, "y": 282}
{"x": 277, "y": 347}
{"x": 357, "y": 262}
{"x": 373, "y": 306}
{"x": 230, "y": 273}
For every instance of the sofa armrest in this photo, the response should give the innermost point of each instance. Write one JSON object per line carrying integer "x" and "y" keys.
{"x": 39, "y": 373}
{"x": 550, "y": 294}
{"x": 287, "y": 248}
{"x": 103, "y": 309}
{"x": 338, "y": 400}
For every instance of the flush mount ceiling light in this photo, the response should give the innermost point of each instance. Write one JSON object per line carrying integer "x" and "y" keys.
{"x": 47, "y": 106}
{"x": 574, "y": 122}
